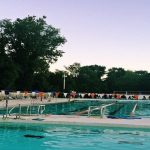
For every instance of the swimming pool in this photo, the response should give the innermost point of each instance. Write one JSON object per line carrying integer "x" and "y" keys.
{"x": 67, "y": 137}
{"x": 119, "y": 109}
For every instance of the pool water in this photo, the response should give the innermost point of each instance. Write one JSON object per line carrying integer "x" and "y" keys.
{"x": 120, "y": 109}
{"x": 66, "y": 137}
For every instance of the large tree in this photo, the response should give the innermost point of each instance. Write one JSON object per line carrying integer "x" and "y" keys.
{"x": 73, "y": 69}
{"x": 90, "y": 78}
{"x": 113, "y": 75}
{"x": 30, "y": 44}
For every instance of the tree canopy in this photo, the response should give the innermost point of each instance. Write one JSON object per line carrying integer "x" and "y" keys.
{"x": 27, "y": 47}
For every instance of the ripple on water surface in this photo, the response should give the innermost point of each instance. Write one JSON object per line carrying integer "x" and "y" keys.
{"x": 55, "y": 137}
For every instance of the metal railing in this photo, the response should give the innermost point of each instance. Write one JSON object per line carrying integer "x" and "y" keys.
{"x": 133, "y": 110}
{"x": 100, "y": 108}
{"x": 9, "y": 112}
{"x": 40, "y": 109}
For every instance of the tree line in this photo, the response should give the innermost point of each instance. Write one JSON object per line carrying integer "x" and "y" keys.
{"x": 97, "y": 79}
{"x": 29, "y": 46}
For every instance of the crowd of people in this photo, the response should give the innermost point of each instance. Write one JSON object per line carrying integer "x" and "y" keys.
{"x": 99, "y": 96}
{"x": 72, "y": 94}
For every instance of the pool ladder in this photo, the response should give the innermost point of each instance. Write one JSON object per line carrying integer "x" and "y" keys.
{"x": 40, "y": 109}
{"x": 16, "y": 114}
{"x": 133, "y": 110}
{"x": 100, "y": 108}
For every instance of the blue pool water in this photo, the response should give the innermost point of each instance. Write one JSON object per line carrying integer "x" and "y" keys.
{"x": 65, "y": 137}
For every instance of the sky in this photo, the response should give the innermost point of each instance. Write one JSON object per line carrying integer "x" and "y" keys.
{"x": 111, "y": 33}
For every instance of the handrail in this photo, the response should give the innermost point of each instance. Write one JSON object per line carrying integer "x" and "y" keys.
{"x": 133, "y": 110}
{"x": 17, "y": 114}
{"x": 94, "y": 108}
{"x": 101, "y": 108}
{"x": 11, "y": 110}
{"x": 40, "y": 110}
{"x": 27, "y": 109}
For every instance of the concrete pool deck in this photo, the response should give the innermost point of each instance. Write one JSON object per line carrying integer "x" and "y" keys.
{"x": 26, "y": 102}
{"x": 81, "y": 120}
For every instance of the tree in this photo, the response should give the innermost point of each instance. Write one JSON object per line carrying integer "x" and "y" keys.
{"x": 8, "y": 73}
{"x": 56, "y": 80}
{"x": 73, "y": 69}
{"x": 133, "y": 81}
{"x": 144, "y": 80}
{"x": 112, "y": 76}
{"x": 31, "y": 45}
{"x": 129, "y": 81}
{"x": 73, "y": 73}
{"x": 89, "y": 79}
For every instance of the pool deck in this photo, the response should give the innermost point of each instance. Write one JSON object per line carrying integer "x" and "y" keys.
{"x": 26, "y": 102}
{"x": 81, "y": 120}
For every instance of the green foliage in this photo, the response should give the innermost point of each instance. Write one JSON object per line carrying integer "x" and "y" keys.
{"x": 8, "y": 73}
{"x": 89, "y": 79}
{"x": 120, "y": 80}
{"x": 128, "y": 82}
{"x": 113, "y": 75}
{"x": 73, "y": 69}
{"x": 27, "y": 48}
{"x": 31, "y": 45}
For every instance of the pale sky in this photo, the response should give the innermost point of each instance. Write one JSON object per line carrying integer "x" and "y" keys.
{"x": 112, "y": 33}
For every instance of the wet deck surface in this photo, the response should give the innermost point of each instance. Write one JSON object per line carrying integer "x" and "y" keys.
{"x": 81, "y": 120}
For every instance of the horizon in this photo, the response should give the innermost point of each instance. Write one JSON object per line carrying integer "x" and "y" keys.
{"x": 107, "y": 33}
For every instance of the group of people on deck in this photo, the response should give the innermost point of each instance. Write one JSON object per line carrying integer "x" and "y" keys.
{"x": 74, "y": 94}
{"x": 99, "y": 96}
